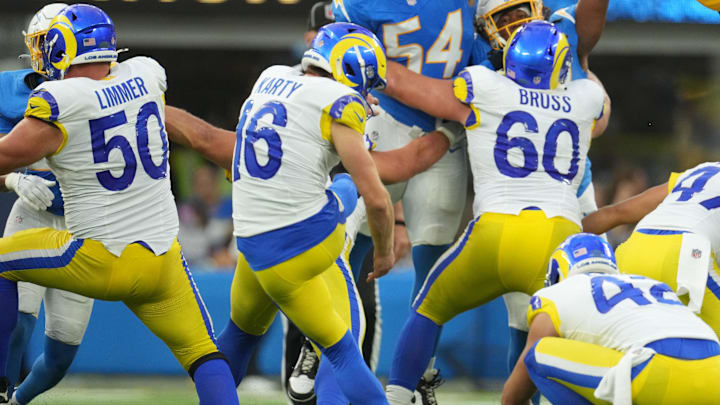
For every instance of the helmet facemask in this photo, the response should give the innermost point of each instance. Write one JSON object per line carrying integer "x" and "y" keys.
{"x": 35, "y": 34}
{"x": 496, "y": 34}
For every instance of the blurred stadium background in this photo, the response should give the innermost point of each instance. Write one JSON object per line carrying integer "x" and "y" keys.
{"x": 658, "y": 59}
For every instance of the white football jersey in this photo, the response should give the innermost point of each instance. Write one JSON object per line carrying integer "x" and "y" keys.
{"x": 692, "y": 204}
{"x": 113, "y": 164}
{"x": 618, "y": 311}
{"x": 284, "y": 149}
{"x": 527, "y": 147}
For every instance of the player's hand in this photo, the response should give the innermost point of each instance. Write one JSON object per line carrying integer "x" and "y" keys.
{"x": 371, "y": 101}
{"x": 454, "y": 131}
{"x": 381, "y": 265}
{"x": 32, "y": 190}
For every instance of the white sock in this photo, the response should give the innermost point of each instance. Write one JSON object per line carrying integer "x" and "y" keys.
{"x": 397, "y": 395}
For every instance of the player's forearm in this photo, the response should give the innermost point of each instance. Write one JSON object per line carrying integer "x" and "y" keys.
{"x": 590, "y": 23}
{"x": 433, "y": 96}
{"x": 214, "y": 143}
{"x": 518, "y": 388}
{"x": 624, "y": 212}
{"x": 602, "y": 123}
{"x": 401, "y": 164}
{"x": 381, "y": 220}
{"x": 29, "y": 141}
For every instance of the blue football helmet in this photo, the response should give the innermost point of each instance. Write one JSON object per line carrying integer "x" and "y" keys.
{"x": 80, "y": 33}
{"x": 351, "y": 54}
{"x": 538, "y": 56}
{"x": 580, "y": 253}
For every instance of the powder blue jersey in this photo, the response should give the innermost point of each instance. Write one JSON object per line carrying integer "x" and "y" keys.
{"x": 431, "y": 37}
{"x": 13, "y": 98}
{"x": 14, "y": 94}
{"x": 564, "y": 19}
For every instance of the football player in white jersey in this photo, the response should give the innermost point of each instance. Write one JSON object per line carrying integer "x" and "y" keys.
{"x": 528, "y": 133}
{"x": 583, "y": 24}
{"x": 100, "y": 126}
{"x": 598, "y": 336}
{"x": 677, "y": 240}
{"x": 40, "y": 205}
{"x": 289, "y": 229}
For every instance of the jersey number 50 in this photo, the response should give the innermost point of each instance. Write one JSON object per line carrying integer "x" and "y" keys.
{"x": 101, "y": 150}
{"x": 247, "y": 137}
{"x": 530, "y": 155}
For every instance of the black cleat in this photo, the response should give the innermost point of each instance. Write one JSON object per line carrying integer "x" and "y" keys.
{"x": 301, "y": 385}
{"x": 4, "y": 390}
{"x": 425, "y": 390}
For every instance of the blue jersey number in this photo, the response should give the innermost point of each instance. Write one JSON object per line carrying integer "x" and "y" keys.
{"x": 628, "y": 292}
{"x": 701, "y": 176}
{"x": 246, "y": 138}
{"x": 504, "y": 143}
{"x": 101, "y": 149}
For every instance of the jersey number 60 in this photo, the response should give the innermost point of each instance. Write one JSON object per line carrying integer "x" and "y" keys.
{"x": 530, "y": 155}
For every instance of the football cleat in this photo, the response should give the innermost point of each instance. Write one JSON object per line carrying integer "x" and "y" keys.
{"x": 301, "y": 384}
{"x": 425, "y": 390}
{"x": 4, "y": 390}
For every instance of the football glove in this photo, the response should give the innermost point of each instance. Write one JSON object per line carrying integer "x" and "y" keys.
{"x": 454, "y": 131}
{"x": 32, "y": 190}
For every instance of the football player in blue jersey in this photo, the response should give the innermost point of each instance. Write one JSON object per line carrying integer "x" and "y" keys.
{"x": 434, "y": 38}
{"x": 40, "y": 205}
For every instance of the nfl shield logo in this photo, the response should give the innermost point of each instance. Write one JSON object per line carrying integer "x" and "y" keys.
{"x": 696, "y": 253}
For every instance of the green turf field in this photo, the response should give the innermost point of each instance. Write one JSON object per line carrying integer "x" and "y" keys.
{"x": 122, "y": 390}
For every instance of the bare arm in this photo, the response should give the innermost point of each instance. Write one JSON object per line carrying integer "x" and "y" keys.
{"x": 417, "y": 156}
{"x": 433, "y": 96}
{"x": 29, "y": 141}
{"x": 602, "y": 123}
{"x": 625, "y": 212}
{"x": 214, "y": 143}
{"x": 519, "y": 387}
{"x": 401, "y": 244}
{"x": 589, "y": 25}
{"x": 356, "y": 159}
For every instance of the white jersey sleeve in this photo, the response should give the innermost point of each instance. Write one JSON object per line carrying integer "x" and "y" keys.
{"x": 692, "y": 204}
{"x": 113, "y": 163}
{"x": 527, "y": 147}
{"x": 284, "y": 148}
{"x": 617, "y": 311}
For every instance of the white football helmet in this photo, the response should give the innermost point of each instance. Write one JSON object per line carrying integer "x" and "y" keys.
{"x": 488, "y": 13}
{"x": 36, "y": 30}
